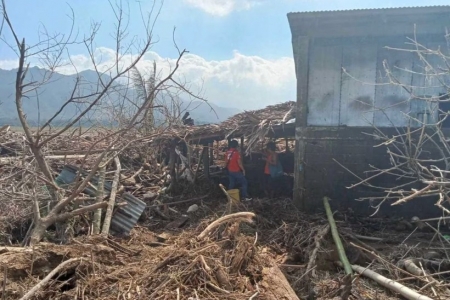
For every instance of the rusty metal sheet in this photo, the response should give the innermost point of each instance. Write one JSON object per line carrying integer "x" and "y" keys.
{"x": 324, "y": 85}
{"x": 359, "y": 59}
{"x": 392, "y": 101}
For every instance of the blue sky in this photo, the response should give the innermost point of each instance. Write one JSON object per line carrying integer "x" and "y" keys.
{"x": 240, "y": 50}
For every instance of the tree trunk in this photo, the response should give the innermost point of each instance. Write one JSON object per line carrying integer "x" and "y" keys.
{"x": 43, "y": 223}
{"x": 100, "y": 191}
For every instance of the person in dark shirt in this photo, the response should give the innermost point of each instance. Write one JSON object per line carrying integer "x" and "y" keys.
{"x": 236, "y": 170}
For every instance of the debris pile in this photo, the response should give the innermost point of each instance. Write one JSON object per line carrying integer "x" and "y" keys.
{"x": 214, "y": 261}
{"x": 143, "y": 175}
{"x": 192, "y": 246}
{"x": 209, "y": 257}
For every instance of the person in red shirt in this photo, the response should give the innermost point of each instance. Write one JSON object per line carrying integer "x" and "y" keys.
{"x": 236, "y": 170}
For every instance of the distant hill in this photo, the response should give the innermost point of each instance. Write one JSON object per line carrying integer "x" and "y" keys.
{"x": 43, "y": 104}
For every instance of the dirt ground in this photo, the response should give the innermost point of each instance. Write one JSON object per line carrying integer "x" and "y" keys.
{"x": 166, "y": 259}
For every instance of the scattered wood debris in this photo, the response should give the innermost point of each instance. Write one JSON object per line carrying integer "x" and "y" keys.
{"x": 197, "y": 246}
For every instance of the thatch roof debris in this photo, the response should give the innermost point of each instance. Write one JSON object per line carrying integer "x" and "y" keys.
{"x": 245, "y": 123}
{"x": 253, "y": 125}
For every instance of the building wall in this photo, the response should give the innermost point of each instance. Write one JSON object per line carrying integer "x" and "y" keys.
{"x": 343, "y": 90}
{"x": 333, "y": 159}
{"x": 348, "y": 84}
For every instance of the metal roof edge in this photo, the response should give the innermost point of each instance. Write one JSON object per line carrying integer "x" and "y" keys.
{"x": 368, "y": 9}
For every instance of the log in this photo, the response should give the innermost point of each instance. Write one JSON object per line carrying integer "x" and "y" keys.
{"x": 390, "y": 284}
{"x": 5, "y": 249}
{"x": 411, "y": 266}
{"x": 275, "y": 285}
{"x": 112, "y": 198}
{"x": 99, "y": 198}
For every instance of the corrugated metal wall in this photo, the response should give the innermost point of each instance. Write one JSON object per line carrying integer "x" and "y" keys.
{"x": 348, "y": 84}
{"x": 324, "y": 85}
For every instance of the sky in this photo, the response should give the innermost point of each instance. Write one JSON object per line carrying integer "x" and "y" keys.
{"x": 240, "y": 52}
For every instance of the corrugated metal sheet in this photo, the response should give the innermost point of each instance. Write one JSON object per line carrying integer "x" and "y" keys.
{"x": 335, "y": 98}
{"x": 324, "y": 85}
{"x": 370, "y": 9}
{"x": 426, "y": 80}
{"x": 124, "y": 218}
{"x": 69, "y": 174}
{"x": 371, "y": 22}
{"x": 423, "y": 112}
{"x": 392, "y": 101}
{"x": 365, "y": 95}
{"x": 427, "y": 85}
{"x": 359, "y": 60}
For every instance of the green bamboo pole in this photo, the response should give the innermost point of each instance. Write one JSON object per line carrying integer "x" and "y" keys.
{"x": 337, "y": 240}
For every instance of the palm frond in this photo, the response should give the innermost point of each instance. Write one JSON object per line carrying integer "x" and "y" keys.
{"x": 139, "y": 84}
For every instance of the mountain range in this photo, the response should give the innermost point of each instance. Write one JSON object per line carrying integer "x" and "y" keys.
{"x": 41, "y": 104}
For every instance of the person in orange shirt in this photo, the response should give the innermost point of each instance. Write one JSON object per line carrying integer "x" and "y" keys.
{"x": 271, "y": 160}
{"x": 236, "y": 170}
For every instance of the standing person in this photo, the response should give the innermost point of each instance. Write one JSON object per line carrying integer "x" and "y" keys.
{"x": 236, "y": 170}
{"x": 272, "y": 170}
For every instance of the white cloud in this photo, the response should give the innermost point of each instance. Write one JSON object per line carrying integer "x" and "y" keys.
{"x": 244, "y": 82}
{"x": 9, "y": 64}
{"x": 222, "y": 7}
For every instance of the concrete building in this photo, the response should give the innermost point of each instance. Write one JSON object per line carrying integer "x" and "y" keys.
{"x": 343, "y": 91}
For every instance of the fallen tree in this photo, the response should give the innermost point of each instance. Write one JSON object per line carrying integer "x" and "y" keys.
{"x": 62, "y": 201}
